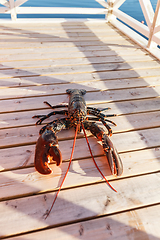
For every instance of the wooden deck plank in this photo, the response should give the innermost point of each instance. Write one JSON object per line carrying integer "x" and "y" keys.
{"x": 126, "y": 123}
{"x": 150, "y": 106}
{"x": 67, "y": 54}
{"x": 27, "y": 181}
{"x": 22, "y": 104}
{"x": 21, "y": 40}
{"x": 53, "y": 30}
{"x": 65, "y": 44}
{"x": 26, "y": 214}
{"x": 53, "y": 89}
{"x": 76, "y": 77}
{"x": 71, "y": 47}
{"x": 73, "y": 61}
{"x": 60, "y": 34}
{"x": 38, "y": 63}
{"x": 83, "y": 68}
{"x": 122, "y": 226}
{"x": 95, "y": 67}
{"x": 126, "y": 141}
{"x": 48, "y": 43}
{"x": 70, "y": 25}
{"x": 83, "y": 47}
{"x": 24, "y": 155}
{"x": 47, "y": 80}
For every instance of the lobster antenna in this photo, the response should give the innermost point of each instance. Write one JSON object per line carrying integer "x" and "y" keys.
{"x": 47, "y": 214}
{"x": 94, "y": 159}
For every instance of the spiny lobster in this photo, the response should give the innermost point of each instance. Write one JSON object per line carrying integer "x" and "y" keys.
{"x": 76, "y": 116}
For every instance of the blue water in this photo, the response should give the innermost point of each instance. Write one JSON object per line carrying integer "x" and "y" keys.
{"x": 131, "y": 7}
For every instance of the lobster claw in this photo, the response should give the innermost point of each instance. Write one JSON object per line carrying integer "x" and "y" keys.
{"x": 46, "y": 151}
{"x": 112, "y": 155}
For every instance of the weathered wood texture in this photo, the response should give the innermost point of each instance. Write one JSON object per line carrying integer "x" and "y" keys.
{"x": 38, "y": 63}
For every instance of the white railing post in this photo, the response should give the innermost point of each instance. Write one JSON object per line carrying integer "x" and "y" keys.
{"x": 113, "y": 4}
{"x": 104, "y": 4}
{"x": 110, "y": 15}
{"x": 147, "y": 10}
{"x": 13, "y": 10}
{"x": 151, "y": 33}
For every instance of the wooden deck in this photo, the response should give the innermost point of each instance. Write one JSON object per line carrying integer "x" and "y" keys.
{"x": 38, "y": 63}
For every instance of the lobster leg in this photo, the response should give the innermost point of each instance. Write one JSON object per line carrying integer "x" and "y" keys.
{"x": 101, "y": 115}
{"x": 96, "y": 111}
{"x": 43, "y": 117}
{"x": 103, "y": 120}
{"x": 47, "y": 146}
{"x": 114, "y": 160}
{"x": 56, "y": 106}
{"x": 104, "y": 123}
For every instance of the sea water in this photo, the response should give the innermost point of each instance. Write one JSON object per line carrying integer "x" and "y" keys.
{"x": 131, "y": 7}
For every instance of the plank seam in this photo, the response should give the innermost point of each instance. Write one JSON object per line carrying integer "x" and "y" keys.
{"x": 116, "y": 101}
{"x": 92, "y": 91}
{"x": 80, "y": 220}
{"x": 102, "y": 181}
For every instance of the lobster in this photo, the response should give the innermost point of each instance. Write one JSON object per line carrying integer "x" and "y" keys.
{"x": 80, "y": 117}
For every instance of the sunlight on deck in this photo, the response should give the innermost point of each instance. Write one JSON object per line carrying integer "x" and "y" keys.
{"x": 38, "y": 63}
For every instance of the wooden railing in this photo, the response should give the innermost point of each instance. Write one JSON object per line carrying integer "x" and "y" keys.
{"x": 148, "y": 36}
{"x": 13, "y": 7}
